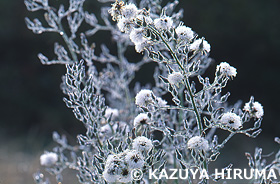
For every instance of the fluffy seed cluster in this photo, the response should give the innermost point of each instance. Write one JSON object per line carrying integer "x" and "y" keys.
{"x": 129, "y": 11}
{"x": 226, "y": 69}
{"x": 48, "y": 159}
{"x": 118, "y": 167}
{"x": 200, "y": 44}
{"x": 142, "y": 144}
{"x": 231, "y": 120}
{"x": 175, "y": 78}
{"x": 198, "y": 143}
{"x": 163, "y": 23}
{"x": 141, "y": 119}
{"x": 137, "y": 36}
{"x": 184, "y": 32}
{"x": 144, "y": 97}
{"x": 255, "y": 109}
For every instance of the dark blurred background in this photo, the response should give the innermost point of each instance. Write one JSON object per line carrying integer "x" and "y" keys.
{"x": 243, "y": 33}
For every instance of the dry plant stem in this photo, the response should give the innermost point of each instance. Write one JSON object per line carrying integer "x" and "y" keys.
{"x": 187, "y": 83}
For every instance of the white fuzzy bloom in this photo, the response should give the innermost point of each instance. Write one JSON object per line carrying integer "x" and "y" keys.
{"x": 231, "y": 120}
{"x": 129, "y": 11}
{"x": 134, "y": 159}
{"x": 114, "y": 113}
{"x": 161, "y": 102}
{"x": 116, "y": 169}
{"x": 147, "y": 19}
{"x": 196, "y": 45}
{"x": 226, "y": 69}
{"x": 125, "y": 25}
{"x": 256, "y": 109}
{"x": 48, "y": 159}
{"x": 144, "y": 97}
{"x": 141, "y": 119}
{"x": 175, "y": 78}
{"x": 198, "y": 143}
{"x": 142, "y": 144}
{"x": 184, "y": 32}
{"x": 163, "y": 23}
{"x": 137, "y": 36}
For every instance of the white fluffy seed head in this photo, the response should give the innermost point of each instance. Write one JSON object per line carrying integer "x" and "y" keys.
{"x": 48, "y": 159}
{"x": 184, "y": 32}
{"x": 134, "y": 159}
{"x": 137, "y": 36}
{"x": 141, "y": 119}
{"x": 125, "y": 25}
{"x": 163, "y": 23}
{"x": 129, "y": 11}
{"x": 175, "y": 78}
{"x": 144, "y": 97}
{"x": 256, "y": 109}
{"x": 198, "y": 143}
{"x": 231, "y": 120}
{"x": 226, "y": 69}
{"x": 197, "y": 44}
{"x": 142, "y": 144}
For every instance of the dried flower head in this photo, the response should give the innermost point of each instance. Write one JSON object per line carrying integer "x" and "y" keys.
{"x": 141, "y": 119}
{"x": 175, "y": 78}
{"x": 226, "y": 69}
{"x": 144, "y": 97}
{"x": 198, "y": 143}
{"x": 142, "y": 144}
{"x": 231, "y": 120}
{"x": 115, "y": 10}
{"x": 255, "y": 109}
{"x": 129, "y": 11}
{"x": 184, "y": 32}
{"x": 137, "y": 36}
{"x": 200, "y": 44}
{"x": 134, "y": 159}
{"x": 163, "y": 23}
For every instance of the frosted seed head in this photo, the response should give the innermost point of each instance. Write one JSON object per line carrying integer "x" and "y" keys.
{"x": 163, "y": 23}
{"x": 48, "y": 159}
{"x": 255, "y": 109}
{"x": 142, "y": 144}
{"x": 137, "y": 36}
{"x": 231, "y": 120}
{"x": 198, "y": 143}
{"x": 129, "y": 11}
{"x": 116, "y": 9}
{"x": 225, "y": 69}
{"x": 134, "y": 159}
{"x": 141, "y": 119}
{"x": 175, "y": 78}
{"x": 125, "y": 25}
{"x": 144, "y": 97}
{"x": 200, "y": 44}
{"x": 184, "y": 33}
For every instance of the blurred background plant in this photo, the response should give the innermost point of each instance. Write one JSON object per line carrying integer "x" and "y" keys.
{"x": 245, "y": 33}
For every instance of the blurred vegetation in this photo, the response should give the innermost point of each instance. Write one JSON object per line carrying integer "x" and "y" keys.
{"x": 243, "y": 33}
